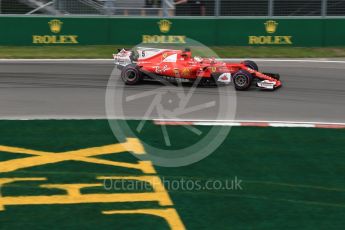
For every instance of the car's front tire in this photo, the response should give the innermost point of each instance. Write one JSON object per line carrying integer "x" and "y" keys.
{"x": 131, "y": 74}
{"x": 242, "y": 80}
{"x": 251, "y": 64}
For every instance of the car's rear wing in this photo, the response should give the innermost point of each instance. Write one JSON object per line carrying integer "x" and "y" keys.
{"x": 123, "y": 57}
{"x": 127, "y": 56}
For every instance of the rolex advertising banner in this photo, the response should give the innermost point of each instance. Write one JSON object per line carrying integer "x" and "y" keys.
{"x": 37, "y": 31}
{"x": 53, "y": 31}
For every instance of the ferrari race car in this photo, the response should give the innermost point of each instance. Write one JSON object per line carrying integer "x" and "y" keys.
{"x": 180, "y": 65}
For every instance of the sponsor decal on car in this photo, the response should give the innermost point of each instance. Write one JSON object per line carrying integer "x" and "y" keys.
{"x": 225, "y": 78}
{"x": 160, "y": 70}
{"x": 185, "y": 72}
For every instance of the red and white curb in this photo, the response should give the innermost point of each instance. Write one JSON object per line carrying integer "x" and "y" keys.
{"x": 289, "y": 124}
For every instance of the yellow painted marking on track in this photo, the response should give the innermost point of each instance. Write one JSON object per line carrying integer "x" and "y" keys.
{"x": 4, "y": 181}
{"x": 74, "y": 195}
{"x": 154, "y": 181}
{"x": 75, "y": 198}
{"x": 73, "y": 191}
{"x": 85, "y": 155}
{"x": 169, "y": 214}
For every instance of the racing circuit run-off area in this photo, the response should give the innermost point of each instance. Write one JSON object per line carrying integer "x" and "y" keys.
{"x": 68, "y": 166}
{"x": 172, "y": 114}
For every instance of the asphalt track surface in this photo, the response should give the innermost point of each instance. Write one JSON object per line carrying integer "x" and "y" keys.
{"x": 312, "y": 91}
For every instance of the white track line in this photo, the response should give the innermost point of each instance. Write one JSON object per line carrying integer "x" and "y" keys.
{"x": 204, "y": 121}
{"x": 250, "y": 123}
{"x": 34, "y": 117}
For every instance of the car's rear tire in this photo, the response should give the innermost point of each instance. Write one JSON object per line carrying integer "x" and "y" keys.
{"x": 242, "y": 80}
{"x": 131, "y": 74}
{"x": 251, "y": 64}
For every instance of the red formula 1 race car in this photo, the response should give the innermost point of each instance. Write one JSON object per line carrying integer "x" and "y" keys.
{"x": 179, "y": 65}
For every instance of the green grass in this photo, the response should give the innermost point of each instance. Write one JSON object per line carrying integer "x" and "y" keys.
{"x": 106, "y": 51}
{"x": 293, "y": 178}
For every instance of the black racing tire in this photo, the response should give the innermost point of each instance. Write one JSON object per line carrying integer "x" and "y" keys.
{"x": 242, "y": 80}
{"x": 131, "y": 74}
{"x": 251, "y": 64}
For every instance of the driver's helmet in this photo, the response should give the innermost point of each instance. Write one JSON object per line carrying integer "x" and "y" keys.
{"x": 198, "y": 59}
